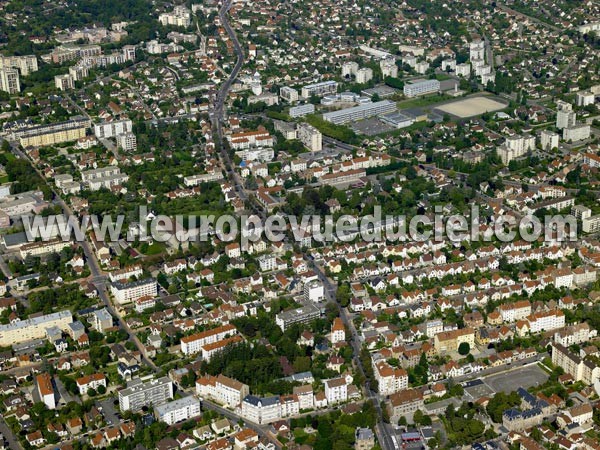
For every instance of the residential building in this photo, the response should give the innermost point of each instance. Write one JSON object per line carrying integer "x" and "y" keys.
{"x": 127, "y": 142}
{"x": 105, "y": 177}
{"x": 46, "y": 390}
{"x": 336, "y": 390}
{"x": 364, "y": 439}
{"x": 181, "y": 16}
{"x": 421, "y": 87}
{"x": 310, "y": 137}
{"x": 360, "y": 112}
{"x": 405, "y": 403}
{"x": 26, "y": 63}
{"x": 193, "y": 344}
{"x": 112, "y": 129}
{"x": 35, "y": 328}
{"x": 101, "y": 320}
{"x": 9, "y": 81}
{"x": 511, "y": 312}
{"x": 319, "y": 89}
{"x": 261, "y": 410}
{"x": 140, "y": 393}
{"x": 581, "y": 369}
{"x": 178, "y": 410}
{"x": 449, "y": 341}
{"x": 578, "y": 132}
{"x": 314, "y": 291}
{"x": 338, "y": 331}
{"x": 565, "y": 116}
{"x": 364, "y": 75}
{"x": 64, "y": 82}
{"x": 304, "y": 314}
{"x": 390, "y": 379}
{"x": 221, "y": 389}
{"x": 302, "y": 110}
{"x": 549, "y": 139}
{"x": 55, "y": 133}
{"x": 87, "y": 382}
{"x": 126, "y": 292}
{"x": 289, "y": 94}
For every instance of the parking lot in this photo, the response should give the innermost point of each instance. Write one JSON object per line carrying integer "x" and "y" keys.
{"x": 526, "y": 377}
{"x": 371, "y": 127}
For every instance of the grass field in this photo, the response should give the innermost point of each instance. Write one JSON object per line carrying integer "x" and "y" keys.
{"x": 470, "y": 107}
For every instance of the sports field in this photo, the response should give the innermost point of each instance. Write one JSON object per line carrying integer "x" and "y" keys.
{"x": 472, "y": 106}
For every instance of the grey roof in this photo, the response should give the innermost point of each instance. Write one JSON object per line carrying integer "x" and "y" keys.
{"x": 258, "y": 401}
{"x": 184, "y": 402}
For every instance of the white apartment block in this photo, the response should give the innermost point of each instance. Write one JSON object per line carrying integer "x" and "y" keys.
{"x": 421, "y": 87}
{"x": 360, "y": 112}
{"x": 105, "y": 177}
{"x": 178, "y": 410}
{"x": 310, "y": 137}
{"x": 319, "y": 89}
{"x": 390, "y": 379}
{"x": 302, "y": 110}
{"x": 125, "y": 292}
{"x": 26, "y": 64}
{"x": 179, "y": 17}
{"x": 364, "y": 75}
{"x": 336, "y": 391}
{"x": 577, "y": 133}
{"x": 585, "y": 98}
{"x": 64, "y": 82}
{"x": 544, "y": 321}
{"x": 221, "y": 389}
{"x": 349, "y": 69}
{"x": 193, "y": 344}
{"x": 289, "y": 94}
{"x": 34, "y": 328}
{"x": 42, "y": 248}
{"x": 314, "y": 291}
{"x": 112, "y": 129}
{"x": 565, "y": 116}
{"x": 126, "y": 273}
{"x": 127, "y": 142}
{"x": 261, "y": 410}
{"x": 145, "y": 392}
{"x": 10, "y": 81}
{"x": 574, "y": 334}
{"x": 388, "y": 68}
{"x": 549, "y": 139}
{"x": 511, "y": 312}
{"x": 463, "y": 70}
{"x": 477, "y": 50}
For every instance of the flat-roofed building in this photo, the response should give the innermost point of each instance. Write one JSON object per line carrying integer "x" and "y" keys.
{"x": 178, "y": 410}
{"x": 140, "y": 393}
{"x": 421, "y": 87}
{"x": 33, "y": 328}
{"x": 360, "y": 112}
{"x": 304, "y": 314}
{"x": 319, "y": 89}
{"x": 124, "y": 292}
{"x": 310, "y": 137}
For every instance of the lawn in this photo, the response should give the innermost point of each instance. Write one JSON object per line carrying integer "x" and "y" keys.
{"x": 422, "y": 101}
